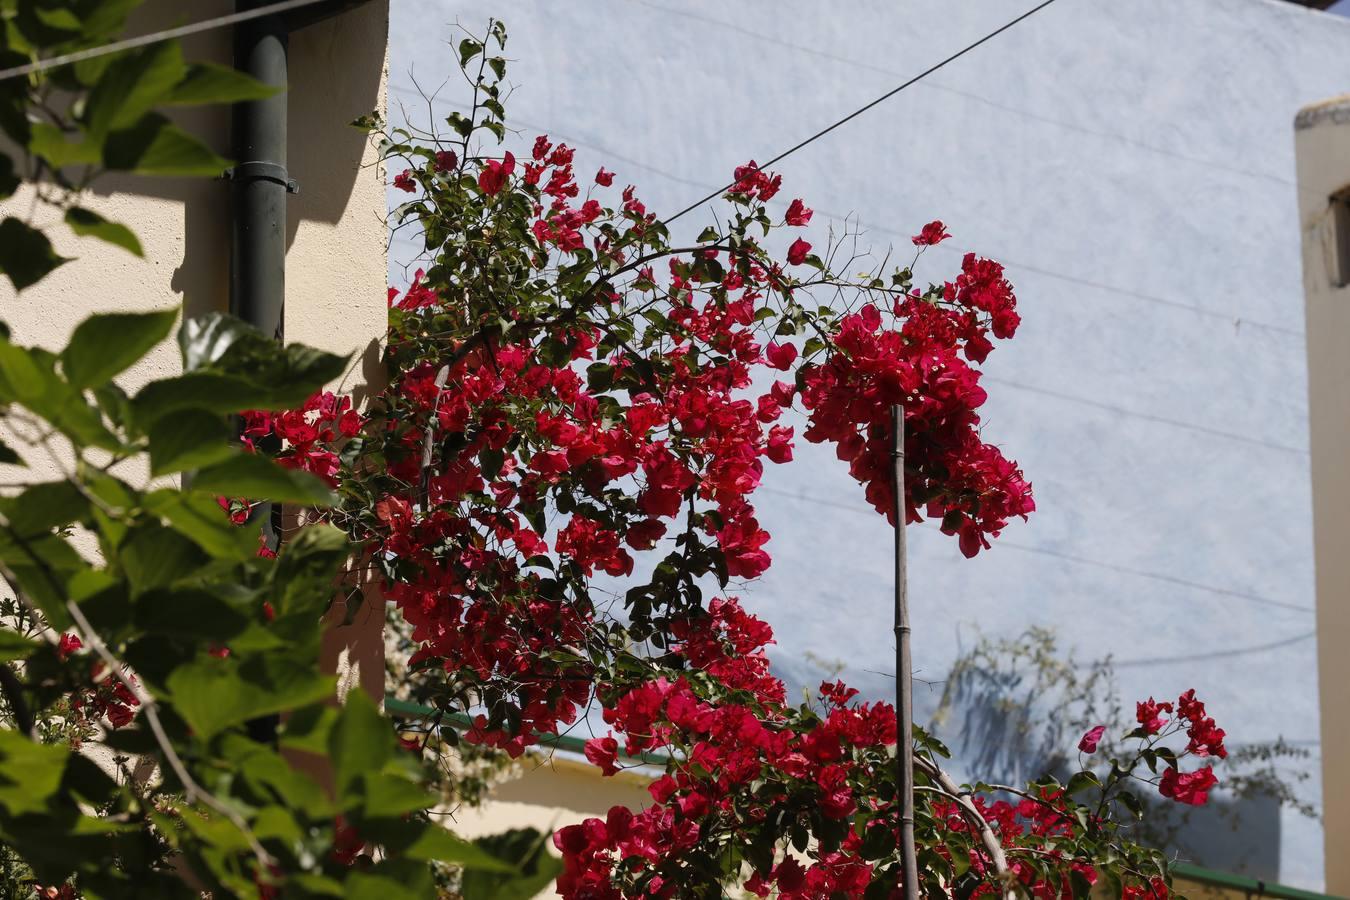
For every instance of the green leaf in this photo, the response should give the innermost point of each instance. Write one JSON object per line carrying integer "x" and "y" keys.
{"x": 15, "y": 646}
{"x": 258, "y": 478}
{"x": 106, "y": 344}
{"x": 390, "y": 878}
{"x": 154, "y": 556}
{"x": 468, "y": 49}
{"x": 214, "y": 694}
{"x": 29, "y": 377}
{"x": 210, "y": 83}
{"x": 188, "y": 440}
{"x": 26, "y": 256}
{"x": 361, "y": 741}
{"x": 87, "y": 223}
{"x": 156, "y": 146}
{"x": 390, "y": 795}
{"x": 525, "y": 851}
{"x": 201, "y": 519}
{"x": 30, "y": 773}
{"x": 188, "y": 614}
{"x": 51, "y": 143}
{"x": 131, "y": 86}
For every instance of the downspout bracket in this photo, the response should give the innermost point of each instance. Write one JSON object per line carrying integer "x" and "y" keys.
{"x": 263, "y": 171}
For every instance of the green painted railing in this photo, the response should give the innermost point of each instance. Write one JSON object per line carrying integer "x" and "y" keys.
{"x": 1252, "y": 887}
{"x": 406, "y": 710}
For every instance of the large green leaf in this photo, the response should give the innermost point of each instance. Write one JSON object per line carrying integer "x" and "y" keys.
{"x": 132, "y": 85}
{"x": 532, "y": 869}
{"x": 210, "y": 83}
{"x": 156, "y": 146}
{"x": 361, "y": 741}
{"x": 30, "y": 378}
{"x": 15, "y": 646}
{"x": 54, "y": 145}
{"x": 224, "y": 344}
{"x": 188, "y": 614}
{"x": 258, "y": 478}
{"x": 153, "y": 556}
{"x": 87, "y": 223}
{"x": 200, "y": 518}
{"x": 106, "y": 344}
{"x": 30, "y": 773}
{"x": 26, "y": 256}
{"x": 214, "y": 694}
{"x": 188, "y": 439}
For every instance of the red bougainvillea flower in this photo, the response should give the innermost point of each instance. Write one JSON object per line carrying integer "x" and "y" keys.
{"x": 603, "y": 752}
{"x": 797, "y": 214}
{"x": 781, "y": 356}
{"x": 495, "y": 173}
{"x": 1090, "y": 740}
{"x": 404, "y": 181}
{"x": 932, "y": 233}
{"x": 446, "y": 160}
{"x": 1188, "y": 787}
{"x": 1149, "y": 714}
{"x": 797, "y": 252}
{"x": 604, "y": 178}
{"x": 68, "y": 644}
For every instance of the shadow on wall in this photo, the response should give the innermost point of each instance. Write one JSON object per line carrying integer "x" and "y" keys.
{"x": 1241, "y": 835}
{"x": 335, "y": 77}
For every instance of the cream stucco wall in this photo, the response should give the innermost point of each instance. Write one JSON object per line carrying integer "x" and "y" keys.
{"x": 336, "y": 236}
{"x": 1322, "y": 136}
{"x": 550, "y": 791}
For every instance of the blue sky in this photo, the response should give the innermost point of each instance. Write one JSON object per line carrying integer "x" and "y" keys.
{"x": 1341, "y": 9}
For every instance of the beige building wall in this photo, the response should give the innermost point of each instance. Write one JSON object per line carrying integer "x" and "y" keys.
{"x": 1322, "y": 141}
{"x": 336, "y": 237}
{"x": 549, "y": 791}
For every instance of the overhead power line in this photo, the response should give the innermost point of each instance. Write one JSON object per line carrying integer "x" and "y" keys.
{"x": 43, "y": 65}
{"x": 1080, "y": 560}
{"x": 1031, "y": 115}
{"x": 1217, "y": 654}
{"x": 949, "y": 246}
{"x": 883, "y": 98}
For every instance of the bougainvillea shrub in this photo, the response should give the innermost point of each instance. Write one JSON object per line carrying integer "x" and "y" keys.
{"x": 574, "y": 396}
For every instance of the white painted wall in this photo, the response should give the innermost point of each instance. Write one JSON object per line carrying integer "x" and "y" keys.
{"x": 1132, "y": 163}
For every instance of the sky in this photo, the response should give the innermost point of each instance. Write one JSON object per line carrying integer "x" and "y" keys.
{"x": 1132, "y": 164}
{"x": 1341, "y": 9}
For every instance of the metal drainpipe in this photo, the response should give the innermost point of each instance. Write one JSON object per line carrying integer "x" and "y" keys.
{"x": 260, "y": 180}
{"x": 259, "y": 183}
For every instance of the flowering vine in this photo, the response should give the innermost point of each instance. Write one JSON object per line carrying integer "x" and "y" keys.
{"x": 574, "y": 394}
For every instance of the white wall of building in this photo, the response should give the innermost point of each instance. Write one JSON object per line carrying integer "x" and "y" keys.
{"x": 1131, "y": 161}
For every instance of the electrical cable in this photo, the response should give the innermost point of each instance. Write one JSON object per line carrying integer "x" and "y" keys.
{"x": 969, "y": 95}
{"x": 43, "y": 65}
{"x": 1080, "y": 560}
{"x": 1217, "y": 654}
{"x": 946, "y": 246}
{"x": 884, "y": 97}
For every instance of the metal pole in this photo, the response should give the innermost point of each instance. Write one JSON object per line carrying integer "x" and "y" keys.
{"x": 904, "y": 678}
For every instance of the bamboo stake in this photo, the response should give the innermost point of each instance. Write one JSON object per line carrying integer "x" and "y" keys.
{"x": 904, "y": 679}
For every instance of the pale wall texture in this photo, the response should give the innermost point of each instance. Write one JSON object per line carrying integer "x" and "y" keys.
{"x": 336, "y": 236}
{"x": 1323, "y": 141}
{"x": 1132, "y": 163}
{"x": 336, "y": 258}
